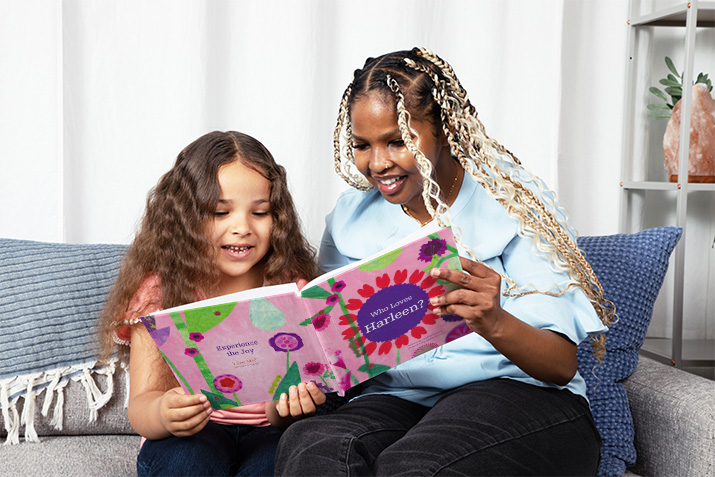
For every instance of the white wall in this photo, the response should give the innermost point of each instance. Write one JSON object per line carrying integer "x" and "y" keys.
{"x": 97, "y": 98}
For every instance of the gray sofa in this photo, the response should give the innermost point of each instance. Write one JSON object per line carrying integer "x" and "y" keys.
{"x": 50, "y": 295}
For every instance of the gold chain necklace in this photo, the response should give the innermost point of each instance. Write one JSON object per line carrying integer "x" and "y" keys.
{"x": 449, "y": 194}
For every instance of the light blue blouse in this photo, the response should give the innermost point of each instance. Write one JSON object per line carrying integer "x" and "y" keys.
{"x": 363, "y": 223}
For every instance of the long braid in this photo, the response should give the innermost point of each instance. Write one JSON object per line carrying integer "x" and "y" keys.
{"x": 549, "y": 233}
{"x": 489, "y": 163}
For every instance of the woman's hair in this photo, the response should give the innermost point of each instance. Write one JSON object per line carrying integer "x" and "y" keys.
{"x": 173, "y": 240}
{"x": 424, "y": 87}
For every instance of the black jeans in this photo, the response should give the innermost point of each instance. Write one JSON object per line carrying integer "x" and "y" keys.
{"x": 217, "y": 449}
{"x": 495, "y": 427}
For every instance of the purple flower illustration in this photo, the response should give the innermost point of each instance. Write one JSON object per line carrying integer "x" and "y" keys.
{"x": 321, "y": 321}
{"x": 451, "y": 318}
{"x": 228, "y": 383}
{"x": 332, "y": 299}
{"x": 337, "y": 287}
{"x": 432, "y": 248}
{"x": 314, "y": 369}
{"x": 321, "y": 386}
{"x": 196, "y": 337}
{"x": 191, "y": 352}
{"x": 286, "y": 342}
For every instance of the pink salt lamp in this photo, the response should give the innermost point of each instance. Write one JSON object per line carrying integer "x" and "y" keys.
{"x": 701, "y": 161}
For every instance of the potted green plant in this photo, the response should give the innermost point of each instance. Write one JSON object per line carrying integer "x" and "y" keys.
{"x": 701, "y": 154}
{"x": 673, "y": 91}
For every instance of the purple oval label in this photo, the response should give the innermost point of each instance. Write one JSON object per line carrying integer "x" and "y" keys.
{"x": 392, "y": 312}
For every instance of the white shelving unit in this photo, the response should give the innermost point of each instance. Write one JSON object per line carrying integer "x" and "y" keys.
{"x": 679, "y": 352}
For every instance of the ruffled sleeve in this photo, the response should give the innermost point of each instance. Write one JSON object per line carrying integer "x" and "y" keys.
{"x": 146, "y": 300}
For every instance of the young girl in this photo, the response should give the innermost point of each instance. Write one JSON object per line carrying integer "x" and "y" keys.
{"x": 220, "y": 221}
{"x": 506, "y": 399}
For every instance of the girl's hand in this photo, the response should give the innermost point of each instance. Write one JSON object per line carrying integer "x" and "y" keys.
{"x": 478, "y": 301}
{"x": 183, "y": 415}
{"x": 301, "y": 401}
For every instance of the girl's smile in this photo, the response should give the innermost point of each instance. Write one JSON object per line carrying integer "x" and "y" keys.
{"x": 242, "y": 226}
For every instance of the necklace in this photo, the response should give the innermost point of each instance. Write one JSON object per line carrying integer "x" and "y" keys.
{"x": 449, "y": 195}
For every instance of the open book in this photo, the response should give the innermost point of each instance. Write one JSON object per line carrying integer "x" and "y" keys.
{"x": 342, "y": 328}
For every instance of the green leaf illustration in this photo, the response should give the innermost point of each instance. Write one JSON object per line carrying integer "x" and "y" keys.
{"x": 380, "y": 262}
{"x": 373, "y": 370}
{"x": 315, "y": 292}
{"x": 200, "y": 320}
{"x": 265, "y": 315}
{"x": 292, "y": 378}
{"x": 219, "y": 401}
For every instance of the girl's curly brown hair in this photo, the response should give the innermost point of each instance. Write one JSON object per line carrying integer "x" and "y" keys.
{"x": 173, "y": 240}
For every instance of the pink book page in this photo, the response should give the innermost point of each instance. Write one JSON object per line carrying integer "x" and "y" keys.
{"x": 374, "y": 316}
{"x": 243, "y": 351}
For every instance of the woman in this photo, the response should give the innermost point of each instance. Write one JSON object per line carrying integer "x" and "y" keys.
{"x": 506, "y": 399}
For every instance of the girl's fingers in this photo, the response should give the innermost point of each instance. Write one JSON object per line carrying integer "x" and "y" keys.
{"x": 282, "y": 406}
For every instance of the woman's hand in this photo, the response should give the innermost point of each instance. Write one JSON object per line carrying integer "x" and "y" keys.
{"x": 300, "y": 401}
{"x": 183, "y": 414}
{"x": 478, "y": 301}
{"x": 541, "y": 353}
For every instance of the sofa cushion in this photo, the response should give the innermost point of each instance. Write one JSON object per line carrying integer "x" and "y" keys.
{"x": 631, "y": 269}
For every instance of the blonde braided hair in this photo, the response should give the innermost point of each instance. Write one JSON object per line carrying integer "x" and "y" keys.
{"x": 437, "y": 95}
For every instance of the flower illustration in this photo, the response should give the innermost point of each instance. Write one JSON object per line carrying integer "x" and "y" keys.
{"x": 377, "y": 328}
{"x": 451, "y": 317}
{"x": 345, "y": 383}
{"x": 338, "y": 360}
{"x": 314, "y": 368}
{"x": 228, "y": 383}
{"x": 432, "y": 248}
{"x": 191, "y": 352}
{"x": 196, "y": 337}
{"x": 424, "y": 348}
{"x": 321, "y": 321}
{"x": 337, "y": 287}
{"x": 286, "y": 342}
{"x": 332, "y": 299}
{"x": 321, "y": 386}
{"x": 457, "y": 332}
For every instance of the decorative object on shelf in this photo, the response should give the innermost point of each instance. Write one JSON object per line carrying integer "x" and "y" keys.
{"x": 701, "y": 158}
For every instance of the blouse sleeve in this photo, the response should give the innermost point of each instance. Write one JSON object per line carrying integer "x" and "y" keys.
{"x": 569, "y": 313}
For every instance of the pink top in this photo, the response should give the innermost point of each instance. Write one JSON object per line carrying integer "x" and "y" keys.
{"x": 147, "y": 300}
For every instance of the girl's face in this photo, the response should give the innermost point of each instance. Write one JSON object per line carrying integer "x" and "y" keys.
{"x": 241, "y": 228}
{"x": 381, "y": 155}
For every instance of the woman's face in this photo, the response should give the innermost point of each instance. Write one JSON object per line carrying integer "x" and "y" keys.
{"x": 381, "y": 154}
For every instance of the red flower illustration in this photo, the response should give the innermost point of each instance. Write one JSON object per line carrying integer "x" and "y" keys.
{"x": 371, "y": 331}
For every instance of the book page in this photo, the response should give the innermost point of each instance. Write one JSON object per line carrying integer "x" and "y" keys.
{"x": 375, "y": 314}
{"x": 238, "y": 352}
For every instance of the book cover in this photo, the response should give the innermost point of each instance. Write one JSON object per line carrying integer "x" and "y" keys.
{"x": 343, "y": 328}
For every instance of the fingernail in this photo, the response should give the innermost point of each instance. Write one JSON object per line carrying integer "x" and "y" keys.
{"x": 301, "y": 387}
{"x": 293, "y": 390}
{"x": 434, "y": 301}
{"x": 311, "y": 386}
{"x": 435, "y": 272}
{"x": 437, "y": 310}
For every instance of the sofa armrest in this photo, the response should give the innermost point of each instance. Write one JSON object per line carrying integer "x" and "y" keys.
{"x": 674, "y": 418}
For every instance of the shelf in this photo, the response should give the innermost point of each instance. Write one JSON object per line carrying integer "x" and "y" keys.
{"x": 672, "y": 186}
{"x": 695, "y": 352}
{"x": 676, "y": 16}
